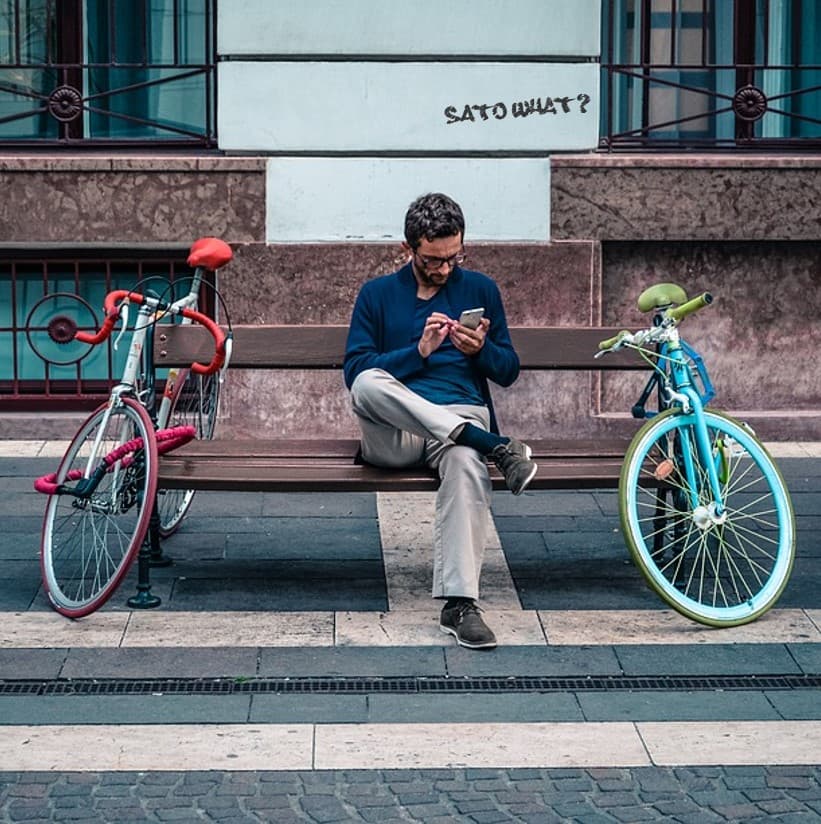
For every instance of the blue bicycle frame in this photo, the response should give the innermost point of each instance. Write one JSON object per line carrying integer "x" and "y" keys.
{"x": 692, "y": 405}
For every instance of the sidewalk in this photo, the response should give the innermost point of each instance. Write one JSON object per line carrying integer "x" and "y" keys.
{"x": 295, "y": 672}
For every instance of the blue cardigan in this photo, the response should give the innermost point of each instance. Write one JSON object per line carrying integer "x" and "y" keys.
{"x": 381, "y": 330}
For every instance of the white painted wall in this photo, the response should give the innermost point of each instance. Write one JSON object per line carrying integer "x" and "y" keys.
{"x": 339, "y": 199}
{"x": 407, "y": 107}
{"x": 365, "y": 104}
{"x": 423, "y": 27}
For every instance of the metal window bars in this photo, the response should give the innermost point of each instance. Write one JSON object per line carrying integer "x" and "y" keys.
{"x": 105, "y": 73}
{"x": 710, "y": 74}
{"x": 42, "y": 301}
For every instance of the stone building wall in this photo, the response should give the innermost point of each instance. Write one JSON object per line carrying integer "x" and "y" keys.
{"x": 745, "y": 228}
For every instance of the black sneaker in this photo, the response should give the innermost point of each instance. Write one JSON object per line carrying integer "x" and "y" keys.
{"x": 464, "y": 622}
{"x": 513, "y": 460}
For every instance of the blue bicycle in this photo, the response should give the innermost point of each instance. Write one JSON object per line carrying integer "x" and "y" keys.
{"x": 704, "y": 510}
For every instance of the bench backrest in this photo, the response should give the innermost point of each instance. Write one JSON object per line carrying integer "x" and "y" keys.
{"x": 323, "y": 347}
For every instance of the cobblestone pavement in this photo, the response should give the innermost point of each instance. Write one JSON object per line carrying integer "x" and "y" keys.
{"x": 483, "y": 796}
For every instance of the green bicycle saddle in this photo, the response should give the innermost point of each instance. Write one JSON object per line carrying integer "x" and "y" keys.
{"x": 662, "y": 294}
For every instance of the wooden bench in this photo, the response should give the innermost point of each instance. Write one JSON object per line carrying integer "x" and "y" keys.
{"x": 323, "y": 465}
{"x": 328, "y": 465}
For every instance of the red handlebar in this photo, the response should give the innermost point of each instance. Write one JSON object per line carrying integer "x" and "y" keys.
{"x": 111, "y": 309}
{"x": 219, "y": 343}
{"x": 112, "y": 314}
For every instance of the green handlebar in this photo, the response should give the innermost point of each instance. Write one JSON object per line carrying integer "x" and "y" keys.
{"x": 611, "y": 342}
{"x": 680, "y": 312}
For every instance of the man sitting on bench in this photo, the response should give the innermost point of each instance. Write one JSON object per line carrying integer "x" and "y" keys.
{"x": 418, "y": 377}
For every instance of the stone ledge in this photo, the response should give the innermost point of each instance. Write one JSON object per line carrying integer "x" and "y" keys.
{"x": 696, "y": 160}
{"x": 152, "y": 162}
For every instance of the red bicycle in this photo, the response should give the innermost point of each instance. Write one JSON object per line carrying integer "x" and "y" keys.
{"x": 103, "y": 494}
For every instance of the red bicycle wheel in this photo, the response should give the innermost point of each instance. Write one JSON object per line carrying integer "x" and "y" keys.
{"x": 91, "y": 535}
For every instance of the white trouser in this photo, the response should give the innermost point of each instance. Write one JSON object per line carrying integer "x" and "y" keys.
{"x": 401, "y": 428}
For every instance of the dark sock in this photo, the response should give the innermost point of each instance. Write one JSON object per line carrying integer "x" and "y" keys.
{"x": 479, "y": 439}
{"x": 454, "y": 602}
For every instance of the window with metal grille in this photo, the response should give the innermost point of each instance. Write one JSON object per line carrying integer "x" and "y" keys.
{"x": 107, "y": 72}
{"x": 40, "y": 297}
{"x": 711, "y": 74}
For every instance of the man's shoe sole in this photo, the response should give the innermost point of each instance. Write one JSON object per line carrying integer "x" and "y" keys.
{"x": 529, "y": 478}
{"x": 467, "y": 644}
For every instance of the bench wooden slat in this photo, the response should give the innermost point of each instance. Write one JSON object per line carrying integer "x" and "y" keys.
{"x": 328, "y": 465}
{"x": 345, "y": 449}
{"x": 323, "y": 347}
{"x": 288, "y": 475}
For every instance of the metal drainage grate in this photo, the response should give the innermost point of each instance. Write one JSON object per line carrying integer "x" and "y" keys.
{"x": 434, "y": 684}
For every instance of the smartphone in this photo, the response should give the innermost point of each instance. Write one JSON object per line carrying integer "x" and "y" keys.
{"x": 471, "y": 317}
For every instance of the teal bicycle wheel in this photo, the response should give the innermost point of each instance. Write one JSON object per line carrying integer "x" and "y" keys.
{"x": 720, "y": 569}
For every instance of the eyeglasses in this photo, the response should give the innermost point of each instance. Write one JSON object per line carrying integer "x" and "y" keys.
{"x": 438, "y": 262}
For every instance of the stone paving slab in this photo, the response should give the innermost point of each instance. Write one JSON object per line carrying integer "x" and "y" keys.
{"x": 48, "y": 629}
{"x": 32, "y": 663}
{"x": 475, "y": 707}
{"x": 137, "y": 747}
{"x": 667, "y": 705}
{"x": 114, "y": 709}
{"x": 732, "y": 742}
{"x": 808, "y": 656}
{"x": 420, "y": 746}
{"x": 798, "y": 705}
{"x": 20, "y": 585}
{"x": 272, "y": 593}
{"x": 161, "y": 662}
{"x": 712, "y": 659}
{"x": 114, "y": 627}
{"x": 309, "y": 709}
{"x": 230, "y": 629}
{"x": 352, "y": 661}
{"x": 167, "y": 704}
{"x": 414, "y": 627}
{"x": 668, "y": 627}
{"x": 545, "y": 661}
{"x": 332, "y": 539}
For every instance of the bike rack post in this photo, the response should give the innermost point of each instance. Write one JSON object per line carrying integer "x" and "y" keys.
{"x": 144, "y": 599}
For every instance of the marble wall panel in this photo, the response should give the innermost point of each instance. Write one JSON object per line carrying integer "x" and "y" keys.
{"x": 757, "y": 336}
{"x": 610, "y": 199}
{"x": 546, "y": 283}
{"x": 318, "y": 283}
{"x": 129, "y": 203}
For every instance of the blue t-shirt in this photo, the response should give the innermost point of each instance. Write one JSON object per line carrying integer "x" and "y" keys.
{"x": 448, "y": 377}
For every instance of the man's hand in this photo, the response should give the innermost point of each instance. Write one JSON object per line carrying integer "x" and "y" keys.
{"x": 436, "y": 330}
{"x": 469, "y": 341}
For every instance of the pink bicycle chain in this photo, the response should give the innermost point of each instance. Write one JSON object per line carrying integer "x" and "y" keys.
{"x": 167, "y": 439}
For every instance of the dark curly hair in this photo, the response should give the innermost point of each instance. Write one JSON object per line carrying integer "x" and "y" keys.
{"x": 432, "y": 216}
